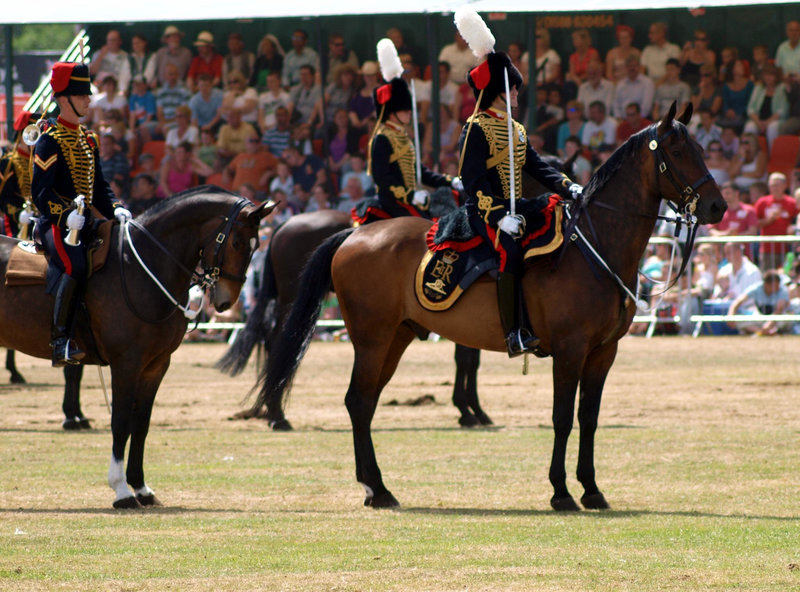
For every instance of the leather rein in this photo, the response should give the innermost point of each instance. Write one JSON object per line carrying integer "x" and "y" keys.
{"x": 207, "y": 278}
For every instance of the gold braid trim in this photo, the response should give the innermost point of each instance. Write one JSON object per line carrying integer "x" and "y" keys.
{"x": 496, "y": 133}
{"x": 79, "y": 156}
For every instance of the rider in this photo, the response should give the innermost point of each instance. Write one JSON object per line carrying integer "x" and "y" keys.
{"x": 486, "y": 176}
{"x": 15, "y": 180}
{"x": 392, "y": 158}
{"x": 65, "y": 165}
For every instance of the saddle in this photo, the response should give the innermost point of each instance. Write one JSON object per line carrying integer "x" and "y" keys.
{"x": 27, "y": 264}
{"x": 457, "y": 256}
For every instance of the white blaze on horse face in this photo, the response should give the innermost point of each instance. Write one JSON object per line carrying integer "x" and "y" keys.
{"x": 116, "y": 479}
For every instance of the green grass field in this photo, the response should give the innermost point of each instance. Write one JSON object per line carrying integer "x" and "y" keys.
{"x": 696, "y": 452}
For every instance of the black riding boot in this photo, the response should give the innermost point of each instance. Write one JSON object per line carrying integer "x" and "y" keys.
{"x": 64, "y": 349}
{"x": 519, "y": 339}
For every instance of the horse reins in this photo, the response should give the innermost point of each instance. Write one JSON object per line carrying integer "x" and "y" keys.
{"x": 207, "y": 279}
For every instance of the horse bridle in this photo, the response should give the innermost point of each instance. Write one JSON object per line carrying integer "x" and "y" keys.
{"x": 210, "y": 274}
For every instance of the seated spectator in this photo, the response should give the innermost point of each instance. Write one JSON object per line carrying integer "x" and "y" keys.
{"x": 776, "y": 214}
{"x": 338, "y": 55}
{"x": 279, "y": 137}
{"x": 754, "y": 193}
{"x": 448, "y": 94}
{"x": 739, "y": 219}
{"x": 206, "y": 104}
{"x": 248, "y": 192}
{"x": 707, "y": 131}
{"x": 573, "y": 126}
{"x": 254, "y": 167}
{"x": 233, "y": 136}
{"x": 207, "y": 61}
{"x": 300, "y": 55}
{"x": 760, "y": 61}
{"x": 358, "y": 169}
{"x": 729, "y": 141}
{"x": 514, "y": 52}
{"x": 449, "y": 133}
{"x": 459, "y": 57}
{"x": 342, "y": 141}
{"x": 350, "y": 195}
{"x": 141, "y": 59}
{"x": 113, "y": 162}
{"x": 657, "y": 52}
{"x": 283, "y": 210}
{"x": 735, "y": 96}
{"x": 596, "y": 88}
{"x": 305, "y": 97}
{"x": 742, "y": 272}
{"x": 340, "y": 92}
{"x": 716, "y": 162}
{"x": 141, "y": 104}
{"x": 579, "y": 61}
{"x": 206, "y": 151}
{"x": 766, "y": 298}
{"x": 727, "y": 58}
{"x": 634, "y": 88}
{"x": 707, "y": 95}
{"x": 307, "y": 169}
{"x": 282, "y": 180}
{"x": 146, "y": 165}
{"x": 749, "y": 164}
{"x": 115, "y": 125}
{"x": 581, "y": 168}
{"x": 671, "y": 89}
{"x": 110, "y": 98}
{"x": 183, "y": 131}
{"x": 548, "y": 62}
{"x": 787, "y": 56}
{"x": 181, "y": 172}
{"x": 320, "y": 199}
{"x": 169, "y": 97}
{"x": 694, "y": 56}
{"x": 633, "y": 123}
{"x": 600, "y": 129}
{"x": 618, "y": 55}
{"x": 549, "y": 115}
{"x": 270, "y": 100}
{"x": 241, "y": 97}
{"x": 396, "y": 35}
{"x": 111, "y": 60}
{"x": 704, "y": 272}
{"x": 768, "y": 107}
{"x": 269, "y": 60}
{"x": 143, "y": 194}
{"x": 171, "y": 53}
{"x": 362, "y": 107}
{"x": 238, "y": 59}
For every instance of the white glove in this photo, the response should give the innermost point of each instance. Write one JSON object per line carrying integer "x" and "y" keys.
{"x": 122, "y": 214}
{"x": 421, "y": 198}
{"x": 25, "y": 217}
{"x": 75, "y": 220}
{"x": 575, "y": 190}
{"x": 514, "y": 225}
{"x": 457, "y": 184}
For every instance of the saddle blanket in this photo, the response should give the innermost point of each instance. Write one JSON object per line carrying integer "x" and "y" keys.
{"x": 369, "y": 209}
{"x": 457, "y": 256}
{"x": 27, "y": 264}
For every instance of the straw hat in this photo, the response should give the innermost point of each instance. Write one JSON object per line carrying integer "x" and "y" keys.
{"x": 204, "y": 38}
{"x": 369, "y": 67}
{"x": 171, "y": 30}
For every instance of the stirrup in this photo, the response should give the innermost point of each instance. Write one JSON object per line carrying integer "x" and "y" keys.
{"x": 65, "y": 352}
{"x": 521, "y": 341}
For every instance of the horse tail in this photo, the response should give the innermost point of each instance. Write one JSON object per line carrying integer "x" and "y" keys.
{"x": 260, "y": 325}
{"x": 294, "y": 337}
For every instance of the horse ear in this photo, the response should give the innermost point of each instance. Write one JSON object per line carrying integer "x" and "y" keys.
{"x": 264, "y": 210}
{"x": 686, "y": 116}
{"x": 666, "y": 123}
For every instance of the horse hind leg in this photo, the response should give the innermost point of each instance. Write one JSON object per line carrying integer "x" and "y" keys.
{"x": 592, "y": 381}
{"x": 372, "y": 368}
{"x": 465, "y": 388}
{"x": 71, "y": 406}
{"x": 565, "y": 384}
{"x": 11, "y": 366}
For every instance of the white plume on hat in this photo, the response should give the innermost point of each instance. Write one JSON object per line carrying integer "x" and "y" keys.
{"x": 391, "y": 66}
{"x": 474, "y": 31}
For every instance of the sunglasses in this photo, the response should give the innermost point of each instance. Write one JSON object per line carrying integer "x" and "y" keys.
{"x": 701, "y": 38}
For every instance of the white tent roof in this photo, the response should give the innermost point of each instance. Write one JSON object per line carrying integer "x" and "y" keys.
{"x": 49, "y": 11}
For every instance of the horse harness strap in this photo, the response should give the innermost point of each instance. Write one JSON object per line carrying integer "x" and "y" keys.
{"x": 210, "y": 276}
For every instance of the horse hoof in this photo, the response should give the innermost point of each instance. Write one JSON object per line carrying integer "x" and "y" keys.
{"x": 127, "y": 503}
{"x": 84, "y": 423}
{"x": 17, "y": 379}
{"x": 564, "y": 504}
{"x": 484, "y": 419}
{"x": 71, "y": 423}
{"x": 148, "y": 500}
{"x": 595, "y": 501}
{"x": 382, "y": 500}
{"x": 468, "y": 421}
{"x": 281, "y": 425}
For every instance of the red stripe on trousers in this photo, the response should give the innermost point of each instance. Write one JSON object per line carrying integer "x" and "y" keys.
{"x": 62, "y": 252}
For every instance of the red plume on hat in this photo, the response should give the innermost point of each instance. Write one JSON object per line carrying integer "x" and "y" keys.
{"x": 22, "y": 120}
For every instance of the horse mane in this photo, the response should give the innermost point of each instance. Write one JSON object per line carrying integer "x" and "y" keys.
{"x": 177, "y": 200}
{"x": 622, "y": 154}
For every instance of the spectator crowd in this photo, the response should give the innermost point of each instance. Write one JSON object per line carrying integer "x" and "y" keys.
{"x": 290, "y": 124}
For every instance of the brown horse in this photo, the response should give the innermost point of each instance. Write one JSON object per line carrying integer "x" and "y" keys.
{"x": 577, "y": 306}
{"x": 131, "y": 322}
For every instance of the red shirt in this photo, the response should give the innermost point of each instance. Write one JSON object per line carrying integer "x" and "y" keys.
{"x": 579, "y": 64}
{"x": 199, "y": 66}
{"x": 765, "y": 207}
{"x": 625, "y": 130}
{"x": 737, "y": 221}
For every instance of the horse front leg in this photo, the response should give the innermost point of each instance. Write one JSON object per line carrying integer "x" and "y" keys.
{"x": 593, "y": 378}
{"x": 465, "y": 387}
{"x": 121, "y": 414}
{"x": 71, "y": 406}
{"x": 566, "y": 369}
{"x": 11, "y": 366}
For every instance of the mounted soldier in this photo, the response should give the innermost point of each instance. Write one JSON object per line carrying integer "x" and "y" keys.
{"x": 492, "y": 172}
{"x": 67, "y": 188}
{"x": 15, "y": 181}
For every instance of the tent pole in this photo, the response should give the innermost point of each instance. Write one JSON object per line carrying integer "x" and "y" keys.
{"x": 531, "y": 43}
{"x": 433, "y": 112}
{"x": 9, "y": 53}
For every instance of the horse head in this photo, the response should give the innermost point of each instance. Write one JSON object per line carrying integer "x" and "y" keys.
{"x": 231, "y": 249}
{"x": 682, "y": 175}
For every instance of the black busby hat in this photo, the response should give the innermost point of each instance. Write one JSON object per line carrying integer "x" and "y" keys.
{"x": 489, "y": 78}
{"x": 393, "y": 96}
{"x": 69, "y": 79}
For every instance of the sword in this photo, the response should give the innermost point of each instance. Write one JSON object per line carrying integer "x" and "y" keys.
{"x": 512, "y": 173}
{"x": 416, "y": 132}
